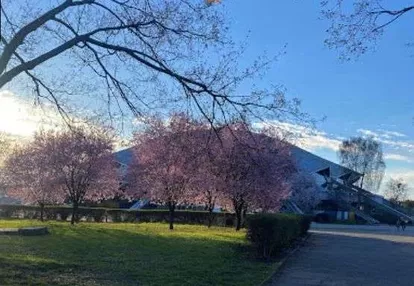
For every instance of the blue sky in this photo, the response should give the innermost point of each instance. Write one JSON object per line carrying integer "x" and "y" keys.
{"x": 371, "y": 95}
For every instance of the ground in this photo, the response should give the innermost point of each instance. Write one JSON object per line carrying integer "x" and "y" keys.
{"x": 351, "y": 255}
{"x": 128, "y": 254}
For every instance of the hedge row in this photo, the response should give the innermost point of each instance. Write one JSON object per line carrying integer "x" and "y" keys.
{"x": 270, "y": 233}
{"x": 115, "y": 215}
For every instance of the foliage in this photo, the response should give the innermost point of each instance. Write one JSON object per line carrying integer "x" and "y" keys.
{"x": 365, "y": 156}
{"x": 5, "y": 148}
{"x": 305, "y": 192}
{"x": 165, "y": 159}
{"x": 128, "y": 254}
{"x": 183, "y": 161}
{"x": 252, "y": 169}
{"x": 396, "y": 190}
{"x": 71, "y": 165}
{"x": 305, "y": 223}
{"x": 357, "y": 25}
{"x": 83, "y": 165}
{"x": 28, "y": 177}
{"x": 270, "y": 233}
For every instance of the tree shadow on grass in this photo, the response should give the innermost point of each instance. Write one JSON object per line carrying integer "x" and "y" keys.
{"x": 104, "y": 256}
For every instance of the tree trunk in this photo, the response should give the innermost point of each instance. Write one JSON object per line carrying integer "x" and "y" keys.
{"x": 210, "y": 216}
{"x": 238, "y": 209}
{"x": 74, "y": 213}
{"x": 244, "y": 215}
{"x": 171, "y": 208}
{"x": 42, "y": 209}
{"x": 238, "y": 219}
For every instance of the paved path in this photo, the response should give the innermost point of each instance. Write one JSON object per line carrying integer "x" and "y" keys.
{"x": 352, "y": 255}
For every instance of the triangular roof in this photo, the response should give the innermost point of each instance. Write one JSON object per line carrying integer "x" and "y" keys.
{"x": 312, "y": 163}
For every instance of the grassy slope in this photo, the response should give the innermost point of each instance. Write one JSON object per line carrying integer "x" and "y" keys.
{"x": 127, "y": 254}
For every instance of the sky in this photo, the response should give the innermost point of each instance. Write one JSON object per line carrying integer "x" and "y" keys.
{"x": 371, "y": 95}
{"x": 368, "y": 96}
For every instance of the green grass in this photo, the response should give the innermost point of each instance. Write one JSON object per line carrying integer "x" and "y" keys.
{"x": 128, "y": 254}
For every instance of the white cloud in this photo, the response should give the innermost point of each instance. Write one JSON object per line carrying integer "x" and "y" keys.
{"x": 21, "y": 119}
{"x": 381, "y": 133}
{"x": 392, "y": 133}
{"x": 368, "y": 132}
{"x": 397, "y": 157}
{"x": 390, "y": 139}
{"x": 303, "y": 136}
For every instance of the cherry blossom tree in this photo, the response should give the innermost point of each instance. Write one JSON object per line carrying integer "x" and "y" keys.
{"x": 253, "y": 169}
{"x": 4, "y": 150}
{"x": 30, "y": 177}
{"x": 83, "y": 164}
{"x": 164, "y": 163}
{"x": 305, "y": 192}
{"x": 205, "y": 183}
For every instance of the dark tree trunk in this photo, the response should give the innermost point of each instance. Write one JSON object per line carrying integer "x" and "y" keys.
{"x": 74, "y": 213}
{"x": 238, "y": 218}
{"x": 210, "y": 216}
{"x": 42, "y": 210}
{"x": 244, "y": 215}
{"x": 171, "y": 207}
{"x": 238, "y": 209}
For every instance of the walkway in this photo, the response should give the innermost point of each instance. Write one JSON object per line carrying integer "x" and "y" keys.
{"x": 352, "y": 255}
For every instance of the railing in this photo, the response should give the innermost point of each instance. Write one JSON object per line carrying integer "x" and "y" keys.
{"x": 369, "y": 219}
{"x": 368, "y": 196}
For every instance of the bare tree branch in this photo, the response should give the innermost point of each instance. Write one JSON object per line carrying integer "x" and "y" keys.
{"x": 357, "y": 25}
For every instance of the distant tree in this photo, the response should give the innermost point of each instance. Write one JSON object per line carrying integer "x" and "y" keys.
{"x": 364, "y": 155}
{"x": 357, "y": 25}
{"x": 30, "y": 176}
{"x": 305, "y": 192}
{"x": 83, "y": 164}
{"x": 165, "y": 163}
{"x": 396, "y": 190}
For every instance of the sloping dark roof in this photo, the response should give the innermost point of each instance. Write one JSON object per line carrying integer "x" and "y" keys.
{"x": 305, "y": 160}
{"x": 312, "y": 163}
{"x": 124, "y": 156}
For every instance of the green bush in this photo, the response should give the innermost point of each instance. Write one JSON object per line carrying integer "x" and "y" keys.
{"x": 305, "y": 223}
{"x": 271, "y": 233}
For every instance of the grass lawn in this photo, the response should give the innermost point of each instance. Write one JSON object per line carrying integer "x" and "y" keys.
{"x": 127, "y": 254}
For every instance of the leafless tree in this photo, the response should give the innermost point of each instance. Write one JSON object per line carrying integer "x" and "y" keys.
{"x": 357, "y": 25}
{"x": 396, "y": 190}
{"x": 364, "y": 155}
{"x": 135, "y": 55}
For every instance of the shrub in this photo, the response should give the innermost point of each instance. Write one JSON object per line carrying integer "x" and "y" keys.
{"x": 270, "y": 233}
{"x": 305, "y": 223}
